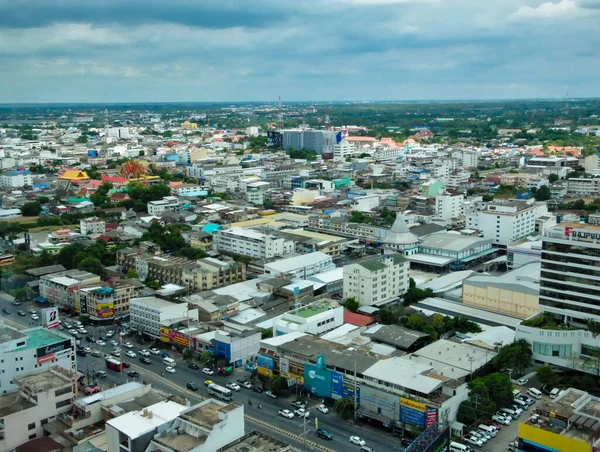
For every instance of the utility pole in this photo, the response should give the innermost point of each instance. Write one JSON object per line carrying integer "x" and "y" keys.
{"x": 355, "y": 392}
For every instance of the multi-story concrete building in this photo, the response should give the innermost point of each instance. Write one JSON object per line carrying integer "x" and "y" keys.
{"x": 300, "y": 267}
{"x": 211, "y": 273}
{"x": 42, "y": 397}
{"x": 92, "y": 225}
{"x": 507, "y": 221}
{"x": 59, "y": 288}
{"x": 342, "y": 150}
{"x": 251, "y": 243}
{"x": 458, "y": 179}
{"x": 320, "y": 141}
{"x": 167, "y": 204}
{"x": 147, "y": 313}
{"x": 16, "y": 179}
{"x": 377, "y": 280}
{"x": 256, "y": 197}
{"x": 583, "y": 187}
{"x": 448, "y": 206}
{"x": 105, "y": 302}
{"x": 341, "y": 226}
{"x": 27, "y": 351}
{"x": 163, "y": 268}
{"x": 316, "y": 318}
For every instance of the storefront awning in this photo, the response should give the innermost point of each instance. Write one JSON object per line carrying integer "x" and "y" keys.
{"x": 41, "y": 299}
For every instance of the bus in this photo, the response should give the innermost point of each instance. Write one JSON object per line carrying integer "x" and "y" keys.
{"x": 114, "y": 363}
{"x": 220, "y": 392}
{"x": 7, "y": 259}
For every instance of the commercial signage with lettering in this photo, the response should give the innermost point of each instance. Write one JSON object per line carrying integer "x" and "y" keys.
{"x": 50, "y": 317}
{"x": 431, "y": 416}
{"x": 379, "y": 403}
{"x": 284, "y": 365}
{"x": 412, "y": 404}
{"x": 176, "y": 337}
{"x": 581, "y": 234}
{"x": 265, "y": 361}
{"x": 337, "y": 385}
{"x": 49, "y": 352}
{"x": 412, "y": 412}
{"x": 105, "y": 310}
{"x": 317, "y": 381}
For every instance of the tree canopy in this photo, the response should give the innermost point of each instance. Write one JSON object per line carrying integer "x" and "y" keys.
{"x": 516, "y": 356}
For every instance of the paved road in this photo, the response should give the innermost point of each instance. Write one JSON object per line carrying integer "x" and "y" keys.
{"x": 376, "y": 438}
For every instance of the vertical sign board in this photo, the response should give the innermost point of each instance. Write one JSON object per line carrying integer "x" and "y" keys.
{"x": 348, "y": 390}
{"x": 431, "y": 416}
{"x": 265, "y": 365}
{"x": 337, "y": 385}
{"x": 320, "y": 359}
{"x": 284, "y": 366}
{"x": 412, "y": 412}
{"x": 317, "y": 381}
{"x": 50, "y": 317}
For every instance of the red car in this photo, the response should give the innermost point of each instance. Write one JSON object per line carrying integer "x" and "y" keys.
{"x": 89, "y": 390}
{"x": 336, "y": 296}
{"x": 495, "y": 424}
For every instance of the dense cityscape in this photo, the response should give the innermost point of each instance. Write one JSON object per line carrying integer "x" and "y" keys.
{"x": 414, "y": 279}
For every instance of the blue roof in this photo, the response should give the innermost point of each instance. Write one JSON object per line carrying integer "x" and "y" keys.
{"x": 597, "y": 154}
{"x": 16, "y": 173}
{"x": 211, "y": 227}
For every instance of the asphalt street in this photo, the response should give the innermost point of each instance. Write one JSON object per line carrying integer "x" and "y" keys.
{"x": 376, "y": 438}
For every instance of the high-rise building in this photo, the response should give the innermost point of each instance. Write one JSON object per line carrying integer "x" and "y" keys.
{"x": 320, "y": 141}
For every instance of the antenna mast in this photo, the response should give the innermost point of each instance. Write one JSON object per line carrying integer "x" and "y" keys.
{"x": 327, "y": 119}
{"x": 280, "y": 114}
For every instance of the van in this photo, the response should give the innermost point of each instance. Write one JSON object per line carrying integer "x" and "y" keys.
{"x": 169, "y": 362}
{"x": 510, "y": 412}
{"x": 516, "y": 393}
{"x": 491, "y": 430}
{"x": 521, "y": 403}
{"x": 535, "y": 393}
{"x": 554, "y": 393}
{"x": 458, "y": 447}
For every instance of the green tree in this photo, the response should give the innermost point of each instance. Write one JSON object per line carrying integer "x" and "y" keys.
{"x": 266, "y": 333}
{"x": 553, "y": 178}
{"x": 82, "y": 139}
{"x": 547, "y": 376}
{"x": 31, "y": 209}
{"x": 515, "y": 356}
{"x": 243, "y": 259}
{"x": 43, "y": 199}
{"x": 152, "y": 284}
{"x": 276, "y": 384}
{"x": 344, "y": 407}
{"x": 92, "y": 265}
{"x": 67, "y": 254}
{"x": 543, "y": 193}
{"x": 352, "y": 304}
{"x": 187, "y": 355}
{"x": 131, "y": 273}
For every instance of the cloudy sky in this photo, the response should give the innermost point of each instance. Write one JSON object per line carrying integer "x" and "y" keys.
{"x": 245, "y": 50}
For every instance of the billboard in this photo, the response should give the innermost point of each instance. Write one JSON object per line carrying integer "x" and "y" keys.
{"x": 317, "y": 381}
{"x": 105, "y": 310}
{"x": 177, "y": 338}
{"x": 274, "y": 139}
{"x": 265, "y": 361}
{"x": 431, "y": 416}
{"x": 53, "y": 351}
{"x": 412, "y": 412}
{"x": 93, "y": 153}
{"x": 50, "y": 317}
{"x": 337, "y": 385}
{"x": 380, "y": 403}
{"x": 284, "y": 366}
{"x": 348, "y": 390}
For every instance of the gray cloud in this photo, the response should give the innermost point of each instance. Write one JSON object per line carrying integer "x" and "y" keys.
{"x": 124, "y": 50}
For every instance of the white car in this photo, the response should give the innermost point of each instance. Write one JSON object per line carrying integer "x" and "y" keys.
{"x": 144, "y": 352}
{"x": 301, "y": 412}
{"x": 128, "y": 345}
{"x": 207, "y": 371}
{"x": 113, "y": 342}
{"x": 73, "y": 331}
{"x": 478, "y": 435}
{"x": 155, "y": 351}
{"x": 233, "y": 386}
{"x": 270, "y": 394}
{"x": 130, "y": 353}
{"x": 82, "y": 331}
{"x": 110, "y": 333}
{"x": 322, "y": 408}
{"x": 501, "y": 419}
{"x": 357, "y": 440}
{"x": 34, "y": 317}
{"x": 88, "y": 350}
{"x": 100, "y": 343}
{"x": 522, "y": 381}
{"x": 170, "y": 370}
{"x": 123, "y": 333}
{"x": 247, "y": 385}
{"x": 474, "y": 441}
{"x": 116, "y": 353}
{"x": 286, "y": 413}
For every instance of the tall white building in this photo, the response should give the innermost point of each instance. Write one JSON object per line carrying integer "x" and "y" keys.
{"x": 14, "y": 179}
{"x": 583, "y": 187}
{"x": 251, "y": 243}
{"x": 92, "y": 225}
{"x": 377, "y": 280}
{"x": 449, "y": 206}
{"x": 300, "y": 266}
{"x": 167, "y": 204}
{"x": 458, "y": 179}
{"x": 146, "y": 313}
{"x": 507, "y": 221}
{"x": 29, "y": 351}
{"x": 117, "y": 133}
{"x": 342, "y": 150}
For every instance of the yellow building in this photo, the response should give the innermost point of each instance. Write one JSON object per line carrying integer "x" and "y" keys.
{"x": 210, "y": 273}
{"x": 74, "y": 175}
{"x": 536, "y": 438}
{"x": 187, "y": 125}
{"x": 515, "y": 293}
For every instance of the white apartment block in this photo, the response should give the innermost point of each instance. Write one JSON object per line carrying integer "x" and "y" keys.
{"x": 117, "y": 133}
{"x": 29, "y": 351}
{"x": 42, "y": 397}
{"x": 449, "y": 206}
{"x": 256, "y": 197}
{"x": 583, "y": 187}
{"x": 16, "y": 179}
{"x": 470, "y": 159}
{"x": 300, "y": 267}
{"x": 375, "y": 281}
{"x": 342, "y": 150}
{"x": 167, "y": 204}
{"x": 316, "y": 318}
{"x": 92, "y": 225}
{"x": 506, "y": 222}
{"x": 146, "y": 313}
{"x": 7, "y": 163}
{"x": 251, "y": 243}
{"x": 458, "y": 179}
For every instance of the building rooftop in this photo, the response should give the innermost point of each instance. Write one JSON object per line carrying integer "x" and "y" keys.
{"x": 136, "y": 424}
{"x": 13, "y": 403}
{"x": 257, "y": 442}
{"x": 209, "y": 414}
{"x": 404, "y": 373}
{"x": 398, "y": 336}
{"x": 10, "y": 334}
{"x": 294, "y": 263}
{"x": 452, "y": 242}
{"x": 44, "y": 381}
{"x": 153, "y": 302}
{"x": 378, "y": 262}
{"x": 41, "y": 271}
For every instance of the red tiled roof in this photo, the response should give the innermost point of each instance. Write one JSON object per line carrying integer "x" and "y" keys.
{"x": 121, "y": 180}
{"x": 357, "y": 319}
